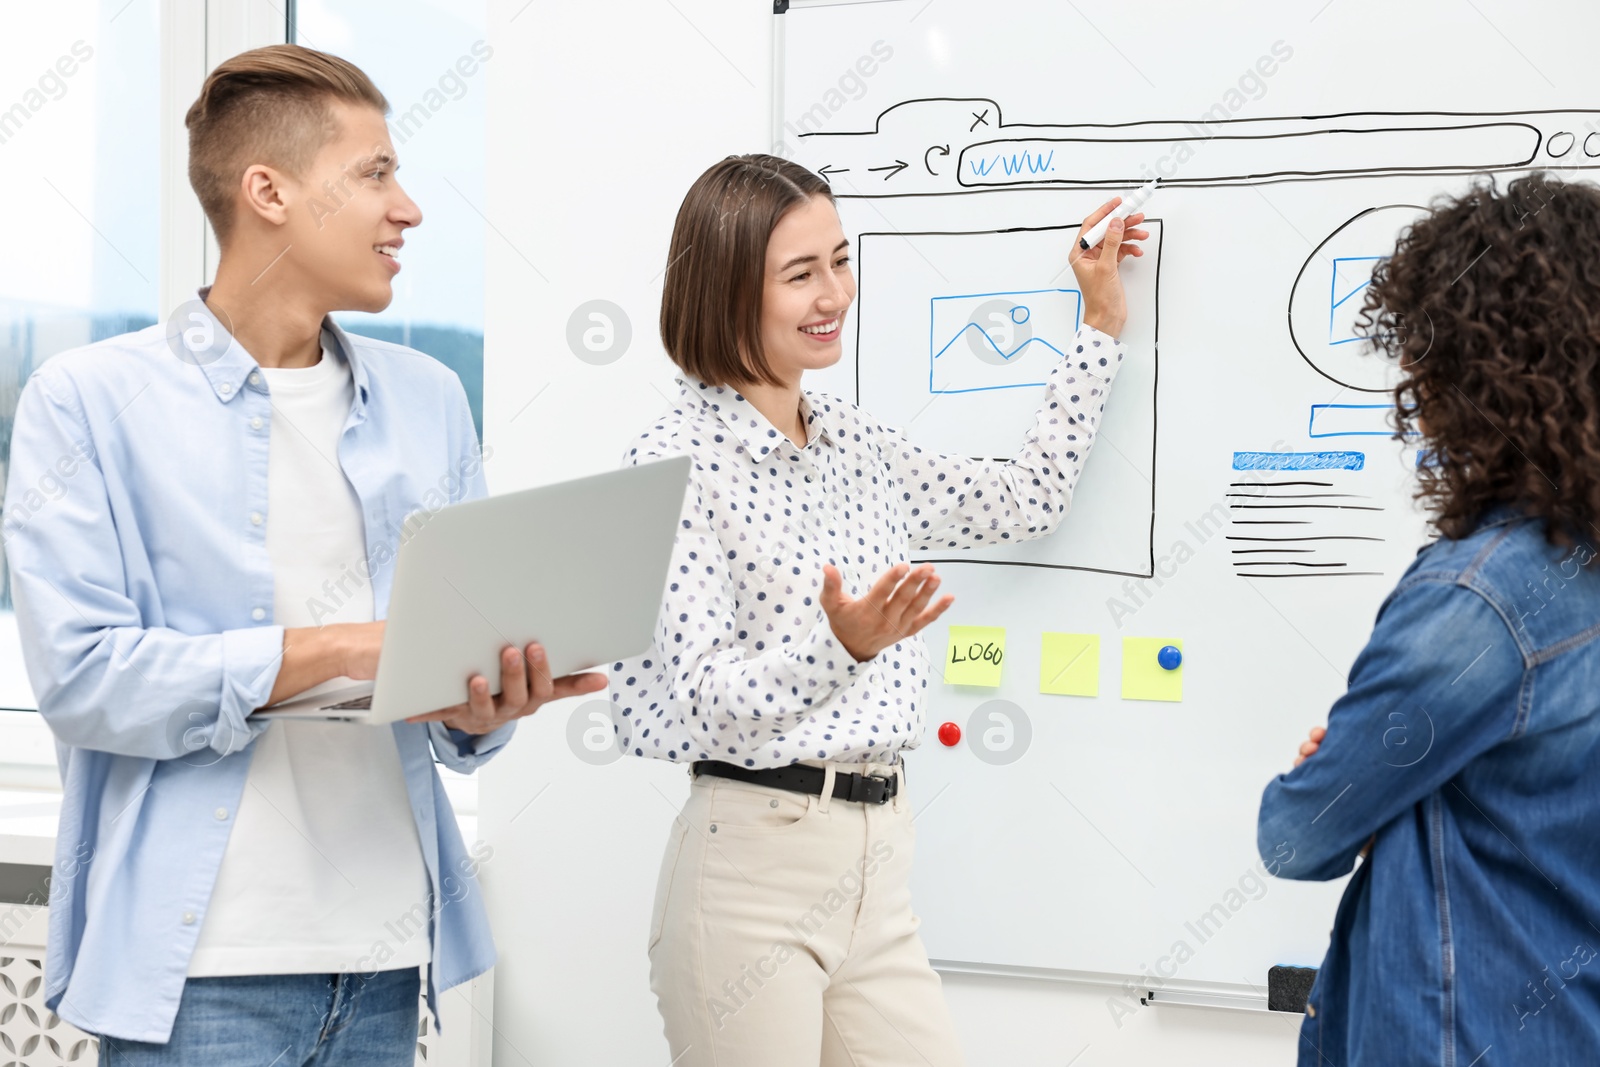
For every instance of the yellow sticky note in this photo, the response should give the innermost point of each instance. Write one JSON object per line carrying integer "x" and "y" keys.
{"x": 1069, "y": 664}
{"x": 975, "y": 655}
{"x": 1143, "y": 677}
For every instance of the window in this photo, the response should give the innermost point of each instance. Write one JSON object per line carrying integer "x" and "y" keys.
{"x": 427, "y": 57}
{"x": 80, "y": 163}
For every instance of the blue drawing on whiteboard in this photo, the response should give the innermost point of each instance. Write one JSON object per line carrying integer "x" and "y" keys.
{"x": 1351, "y": 276}
{"x": 1299, "y": 461}
{"x": 1001, "y": 340}
{"x": 1032, "y": 162}
{"x": 1343, "y": 420}
{"x": 1341, "y": 426}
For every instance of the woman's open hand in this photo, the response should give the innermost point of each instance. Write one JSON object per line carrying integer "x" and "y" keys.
{"x": 896, "y": 607}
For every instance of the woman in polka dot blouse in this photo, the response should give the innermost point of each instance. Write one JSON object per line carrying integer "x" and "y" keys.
{"x": 787, "y": 670}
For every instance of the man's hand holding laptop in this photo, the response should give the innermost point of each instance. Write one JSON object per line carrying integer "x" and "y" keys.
{"x": 350, "y": 650}
{"x": 525, "y": 686}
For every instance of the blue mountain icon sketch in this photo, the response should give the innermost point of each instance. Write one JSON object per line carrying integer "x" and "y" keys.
{"x": 990, "y": 342}
{"x": 1046, "y": 318}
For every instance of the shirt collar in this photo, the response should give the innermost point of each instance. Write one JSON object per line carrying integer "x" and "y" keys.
{"x": 1500, "y": 514}
{"x": 824, "y": 420}
{"x": 752, "y": 429}
{"x": 228, "y": 366}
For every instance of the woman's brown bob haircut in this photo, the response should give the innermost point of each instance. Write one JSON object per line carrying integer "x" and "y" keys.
{"x": 717, "y": 266}
{"x": 1491, "y": 307}
{"x": 268, "y": 105}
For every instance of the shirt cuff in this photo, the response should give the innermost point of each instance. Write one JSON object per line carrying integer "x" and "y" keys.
{"x": 827, "y": 661}
{"x": 474, "y": 747}
{"x": 1095, "y": 353}
{"x": 251, "y": 660}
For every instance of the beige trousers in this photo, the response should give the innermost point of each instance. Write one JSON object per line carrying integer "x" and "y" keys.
{"x": 783, "y": 934}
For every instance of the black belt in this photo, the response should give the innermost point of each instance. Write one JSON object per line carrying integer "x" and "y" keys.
{"x": 798, "y": 778}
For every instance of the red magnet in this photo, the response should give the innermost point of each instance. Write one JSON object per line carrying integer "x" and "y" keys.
{"x": 950, "y": 735}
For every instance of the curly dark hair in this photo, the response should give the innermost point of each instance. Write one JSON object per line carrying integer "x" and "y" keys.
{"x": 1490, "y": 305}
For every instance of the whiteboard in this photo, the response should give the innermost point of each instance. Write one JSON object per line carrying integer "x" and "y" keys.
{"x": 1245, "y": 501}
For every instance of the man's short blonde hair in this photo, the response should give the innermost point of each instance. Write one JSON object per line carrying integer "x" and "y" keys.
{"x": 268, "y": 105}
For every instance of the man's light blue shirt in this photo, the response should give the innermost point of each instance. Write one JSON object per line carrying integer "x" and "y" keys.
{"x": 135, "y": 522}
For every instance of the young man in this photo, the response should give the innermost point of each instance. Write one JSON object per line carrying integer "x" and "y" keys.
{"x": 234, "y": 485}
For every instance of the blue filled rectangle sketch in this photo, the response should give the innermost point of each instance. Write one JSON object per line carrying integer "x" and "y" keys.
{"x": 1299, "y": 461}
{"x": 1000, "y": 340}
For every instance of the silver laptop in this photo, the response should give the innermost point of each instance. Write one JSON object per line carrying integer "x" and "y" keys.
{"x": 578, "y": 566}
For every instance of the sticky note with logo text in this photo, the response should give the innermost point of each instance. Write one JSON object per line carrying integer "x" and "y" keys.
{"x": 975, "y": 655}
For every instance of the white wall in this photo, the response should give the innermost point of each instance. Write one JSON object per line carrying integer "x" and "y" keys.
{"x": 600, "y": 117}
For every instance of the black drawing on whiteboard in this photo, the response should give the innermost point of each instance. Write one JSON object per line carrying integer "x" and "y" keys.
{"x": 1326, "y": 298}
{"x": 1268, "y": 150}
{"x": 966, "y": 358}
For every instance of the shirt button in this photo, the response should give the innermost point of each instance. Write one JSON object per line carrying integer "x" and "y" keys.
{"x": 225, "y": 389}
{"x": 188, "y": 918}
{"x": 258, "y": 614}
{"x": 255, "y": 379}
{"x": 221, "y": 814}
{"x": 256, "y": 423}
{"x": 255, "y": 518}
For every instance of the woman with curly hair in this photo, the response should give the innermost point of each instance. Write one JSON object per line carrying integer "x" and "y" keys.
{"x": 1464, "y": 761}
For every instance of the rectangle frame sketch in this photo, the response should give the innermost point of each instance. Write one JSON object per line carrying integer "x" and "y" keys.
{"x": 996, "y": 308}
{"x": 994, "y": 340}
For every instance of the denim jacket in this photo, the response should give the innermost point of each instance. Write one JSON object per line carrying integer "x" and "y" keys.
{"x": 1468, "y": 750}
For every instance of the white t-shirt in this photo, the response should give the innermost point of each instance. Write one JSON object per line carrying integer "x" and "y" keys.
{"x": 324, "y": 871}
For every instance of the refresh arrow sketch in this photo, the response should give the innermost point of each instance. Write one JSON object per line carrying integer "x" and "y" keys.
{"x": 943, "y": 150}
{"x": 894, "y": 168}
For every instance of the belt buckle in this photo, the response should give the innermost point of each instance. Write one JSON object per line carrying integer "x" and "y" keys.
{"x": 868, "y": 789}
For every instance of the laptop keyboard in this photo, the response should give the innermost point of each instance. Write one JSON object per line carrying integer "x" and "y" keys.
{"x": 358, "y": 704}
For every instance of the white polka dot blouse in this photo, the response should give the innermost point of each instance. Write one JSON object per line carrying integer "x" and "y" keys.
{"x": 744, "y": 667}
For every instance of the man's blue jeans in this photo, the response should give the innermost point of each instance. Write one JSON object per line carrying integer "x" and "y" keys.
{"x": 287, "y": 1020}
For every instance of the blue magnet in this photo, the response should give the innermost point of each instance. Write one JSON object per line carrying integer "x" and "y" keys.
{"x": 1170, "y": 657}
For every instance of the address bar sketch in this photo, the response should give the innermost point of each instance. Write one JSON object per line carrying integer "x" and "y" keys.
{"x": 1232, "y": 157}
{"x": 947, "y": 145}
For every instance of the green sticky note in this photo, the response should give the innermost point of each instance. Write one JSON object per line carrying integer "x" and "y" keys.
{"x": 1069, "y": 664}
{"x": 975, "y": 655}
{"x": 1143, "y": 678}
